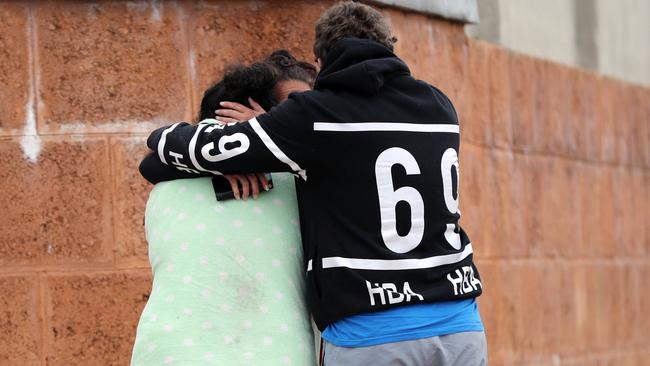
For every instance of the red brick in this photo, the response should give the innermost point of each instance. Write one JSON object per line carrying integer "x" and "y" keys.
{"x": 549, "y": 205}
{"x": 232, "y": 32}
{"x": 597, "y": 207}
{"x": 474, "y": 108}
{"x": 500, "y": 96}
{"x": 576, "y": 324}
{"x": 633, "y": 313}
{"x": 506, "y": 204}
{"x": 629, "y": 233}
{"x": 638, "y": 125}
{"x": 556, "y": 132}
{"x": 620, "y": 302}
{"x": 501, "y": 311}
{"x": 131, "y": 193}
{"x": 416, "y": 43}
{"x": 526, "y": 77}
{"x": 474, "y": 198}
{"x": 93, "y": 318}
{"x": 579, "y": 104}
{"x": 57, "y": 209}
{"x": 645, "y": 125}
{"x": 111, "y": 66}
{"x": 605, "y": 119}
{"x": 567, "y": 209}
{"x": 597, "y": 288}
{"x": 20, "y": 324}
{"x": 525, "y": 191}
{"x": 642, "y": 205}
{"x": 583, "y": 107}
{"x": 488, "y": 194}
{"x": 537, "y": 285}
{"x": 643, "y": 323}
{"x": 623, "y": 123}
{"x": 14, "y": 67}
{"x": 435, "y": 50}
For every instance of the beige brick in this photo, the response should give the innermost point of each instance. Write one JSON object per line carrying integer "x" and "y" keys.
{"x": 14, "y": 67}
{"x": 111, "y": 66}
{"x": 93, "y": 317}
{"x": 131, "y": 193}
{"x": 20, "y": 324}
{"x": 57, "y": 209}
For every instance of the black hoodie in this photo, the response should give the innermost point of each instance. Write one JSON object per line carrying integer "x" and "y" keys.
{"x": 377, "y": 153}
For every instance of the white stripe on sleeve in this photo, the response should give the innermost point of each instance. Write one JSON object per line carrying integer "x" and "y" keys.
{"x": 192, "y": 149}
{"x": 275, "y": 150}
{"x": 163, "y": 141}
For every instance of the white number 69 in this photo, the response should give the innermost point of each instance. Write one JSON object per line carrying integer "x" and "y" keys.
{"x": 389, "y": 197}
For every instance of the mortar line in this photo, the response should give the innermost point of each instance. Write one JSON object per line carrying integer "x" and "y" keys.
{"x": 35, "y": 97}
{"x": 45, "y": 324}
{"x": 628, "y": 261}
{"x": 523, "y": 152}
{"x": 46, "y": 272}
{"x": 113, "y": 186}
{"x": 87, "y": 268}
{"x": 185, "y": 26}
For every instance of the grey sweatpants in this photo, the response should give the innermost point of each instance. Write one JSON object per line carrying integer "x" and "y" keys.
{"x": 460, "y": 349}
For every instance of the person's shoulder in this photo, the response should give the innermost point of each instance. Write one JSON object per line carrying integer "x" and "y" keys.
{"x": 308, "y": 96}
{"x": 440, "y": 97}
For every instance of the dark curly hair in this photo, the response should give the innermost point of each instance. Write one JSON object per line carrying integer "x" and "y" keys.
{"x": 238, "y": 84}
{"x": 289, "y": 68}
{"x": 350, "y": 19}
{"x": 255, "y": 81}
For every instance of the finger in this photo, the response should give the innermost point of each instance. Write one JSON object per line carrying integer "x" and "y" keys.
{"x": 230, "y": 113}
{"x": 245, "y": 187}
{"x": 262, "y": 179}
{"x": 225, "y": 120}
{"x": 236, "y": 106}
{"x": 233, "y": 185}
{"x": 255, "y": 188}
{"x": 256, "y": 107}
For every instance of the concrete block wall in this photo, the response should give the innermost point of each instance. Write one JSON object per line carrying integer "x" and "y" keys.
{"x": 555, "y": 180}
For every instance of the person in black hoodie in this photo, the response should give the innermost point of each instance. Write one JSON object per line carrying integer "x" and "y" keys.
{"x": 390, "y": 272}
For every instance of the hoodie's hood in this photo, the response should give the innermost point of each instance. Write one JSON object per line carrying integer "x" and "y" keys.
{"x": 359, "y": 66}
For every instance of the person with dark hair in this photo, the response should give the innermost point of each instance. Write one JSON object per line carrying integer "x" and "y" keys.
{"x": 390, "y": 272}
{"x": 227, "y": 276}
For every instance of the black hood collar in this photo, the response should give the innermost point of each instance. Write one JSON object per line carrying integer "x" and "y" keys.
{"x": 359, "y": 65}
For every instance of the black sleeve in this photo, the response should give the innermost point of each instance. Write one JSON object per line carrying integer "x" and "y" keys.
{"x": 153, "y": 170}
{"x": 278, "y": 141}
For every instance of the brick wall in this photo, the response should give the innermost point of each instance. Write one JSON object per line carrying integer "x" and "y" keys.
{"x": 555, "y": 184}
